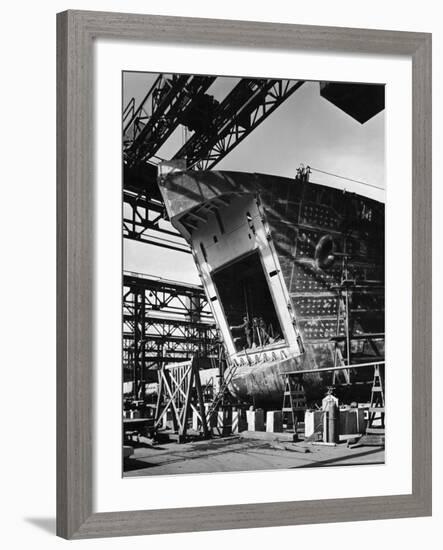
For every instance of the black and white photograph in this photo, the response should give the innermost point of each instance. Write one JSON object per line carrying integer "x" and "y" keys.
{"x": 253, "y": 284}
{"x": 219, "y": 220}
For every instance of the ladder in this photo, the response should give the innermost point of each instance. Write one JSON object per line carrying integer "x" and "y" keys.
{"x": 376, "y": 414}
{"x": 374, "y": 435}
{"x": 340, "y": 376}
{"x": 294, "y": 398}
{"x": 220, "y": 394}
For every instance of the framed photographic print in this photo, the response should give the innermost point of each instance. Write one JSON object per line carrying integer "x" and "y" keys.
{"x": 244, "y": 280}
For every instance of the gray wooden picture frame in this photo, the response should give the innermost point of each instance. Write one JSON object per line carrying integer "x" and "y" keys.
{"x": 76, "y": 31}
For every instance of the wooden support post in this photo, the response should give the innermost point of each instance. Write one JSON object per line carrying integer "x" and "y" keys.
{"x": 201, "y": 403}
{"x": 176, "y": 392}
{"x": 376, "y": 413}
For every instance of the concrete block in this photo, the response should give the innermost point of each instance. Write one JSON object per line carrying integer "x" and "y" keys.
{"x": 196, "y": 422}
{"x": 223, "y": 420}
{"x": 239, "y": 422}
{"x": 127, "y": 451}
{"x": 167, "y": 420}
{"x": 213, "y": 421}
{"x": 127, "y": 387}
{"x": 362, "y": 418}
{"x": 313, "y": 422}
{"x": 348, "y": 421}
{"x": 274, "y": 421}
{"x": 256, "y": 420}
{"x": 352, "y": 420}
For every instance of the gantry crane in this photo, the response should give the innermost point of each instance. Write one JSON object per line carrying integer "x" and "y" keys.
{"x": 215, "y": 128}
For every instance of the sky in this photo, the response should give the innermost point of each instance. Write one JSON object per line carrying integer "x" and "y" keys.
{"x": 306, "y": 129}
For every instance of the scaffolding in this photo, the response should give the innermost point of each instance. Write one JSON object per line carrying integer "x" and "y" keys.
{"x": 163, "y": 322}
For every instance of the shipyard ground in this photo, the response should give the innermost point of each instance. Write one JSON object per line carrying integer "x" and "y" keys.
{"x": 234, "y": 453}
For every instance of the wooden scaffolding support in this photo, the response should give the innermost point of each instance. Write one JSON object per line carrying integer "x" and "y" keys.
{"x": 376, "y": 414}
{"x": 180, "y": 392}
{"x": 375, "y": 427}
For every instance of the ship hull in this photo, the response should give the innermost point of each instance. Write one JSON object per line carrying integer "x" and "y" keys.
{"x": 268, "y": 235}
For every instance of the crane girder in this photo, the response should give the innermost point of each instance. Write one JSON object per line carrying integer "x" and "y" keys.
{"x": 181, "y": 99}
{"x": 146, "y": 129}
{"x": 250, "y": 102}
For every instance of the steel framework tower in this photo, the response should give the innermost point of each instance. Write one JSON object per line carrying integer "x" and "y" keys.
{"x": 163, "y": 321}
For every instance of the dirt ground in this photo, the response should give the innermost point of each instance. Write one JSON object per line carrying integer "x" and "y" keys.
{"x": 233, "y": 454}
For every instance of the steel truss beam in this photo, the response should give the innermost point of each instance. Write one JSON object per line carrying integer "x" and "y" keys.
{"x": 163, "y": 321}
{"x": 159, "y": 114}
{"x": 144, "y": 221}
{"x": 247, "y": 106}
{"x": 147, "y": 128}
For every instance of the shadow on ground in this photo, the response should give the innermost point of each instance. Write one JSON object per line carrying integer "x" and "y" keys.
{"x": 45, "y": 524}
{"x": 130, "y": 464}
{"x": 335, "y": 460}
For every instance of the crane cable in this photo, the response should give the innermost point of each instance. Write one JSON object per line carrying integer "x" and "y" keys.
{"x": 345, "y": 178}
